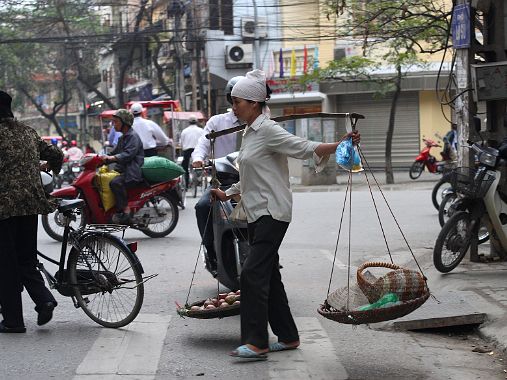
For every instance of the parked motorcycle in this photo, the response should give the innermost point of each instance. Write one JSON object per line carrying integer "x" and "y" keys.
{"x": 479, "y": 206}
{"x": 425, "y": 159}
{"x": 154, "y": 207}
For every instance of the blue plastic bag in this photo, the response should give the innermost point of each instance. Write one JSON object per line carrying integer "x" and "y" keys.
{"x": 347, "y": 156}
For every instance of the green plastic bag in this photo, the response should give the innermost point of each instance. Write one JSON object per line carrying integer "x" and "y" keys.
{"x": 160, "y": 169}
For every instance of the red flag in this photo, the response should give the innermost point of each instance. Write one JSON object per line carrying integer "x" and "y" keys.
{"x": 305, "y": 61}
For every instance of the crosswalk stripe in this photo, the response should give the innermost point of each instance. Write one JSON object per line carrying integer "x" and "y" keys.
{"x": 122, "y": 352}
{"x": 337, "y": 263}
{"x": 316, "y": 358}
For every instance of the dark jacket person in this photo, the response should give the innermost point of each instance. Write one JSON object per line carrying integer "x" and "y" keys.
{"x": 21, "y": 199}
{"x": 129, "y": 157}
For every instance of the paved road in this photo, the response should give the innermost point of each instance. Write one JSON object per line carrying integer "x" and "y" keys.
{"x": 161, "y": 345}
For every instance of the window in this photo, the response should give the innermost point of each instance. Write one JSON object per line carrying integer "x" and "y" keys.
{"x": 221, "y": 16}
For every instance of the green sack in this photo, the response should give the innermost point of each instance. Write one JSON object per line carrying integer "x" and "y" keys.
{"x": 160, "y": 169}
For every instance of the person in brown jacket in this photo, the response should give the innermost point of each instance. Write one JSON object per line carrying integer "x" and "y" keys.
{"x": 22, "y": 198}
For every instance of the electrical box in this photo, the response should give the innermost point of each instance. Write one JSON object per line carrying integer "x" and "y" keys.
{"x": 489, "y": 81}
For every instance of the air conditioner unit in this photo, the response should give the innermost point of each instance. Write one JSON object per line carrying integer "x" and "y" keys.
{"x": 248, "y": 27}
{"x": 238, "y": 56}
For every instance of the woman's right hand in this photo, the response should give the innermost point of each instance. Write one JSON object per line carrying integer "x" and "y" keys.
{"x": 219, "y": 194}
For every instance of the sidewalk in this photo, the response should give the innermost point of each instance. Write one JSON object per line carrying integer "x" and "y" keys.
{"x": 483, "y": 285}
{"x": 402, "y": 181}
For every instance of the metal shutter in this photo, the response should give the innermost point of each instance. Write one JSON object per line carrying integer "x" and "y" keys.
{"x": 374, "y": 128}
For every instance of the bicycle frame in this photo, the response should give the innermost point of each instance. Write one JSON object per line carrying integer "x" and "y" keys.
{"x": 58, "y": 281}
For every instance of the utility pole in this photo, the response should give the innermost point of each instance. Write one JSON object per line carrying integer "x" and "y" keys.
{"x": 493, "y": 50}
{"x": 257, "y": 51}
{"x": 463, "y": 37}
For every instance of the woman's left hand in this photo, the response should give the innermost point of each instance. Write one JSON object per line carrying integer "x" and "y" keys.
{"x": 356, "y": 137}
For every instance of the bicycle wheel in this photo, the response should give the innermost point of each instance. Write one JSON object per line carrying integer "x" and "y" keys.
{"x": 108, "y": 285}
{"x": 453, "y": 242}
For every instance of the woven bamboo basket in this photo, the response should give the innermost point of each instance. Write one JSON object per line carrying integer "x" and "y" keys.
{"x": 219, "y": 312}
{"x": 357, "y": 317}
{"x": 405, "y": 283}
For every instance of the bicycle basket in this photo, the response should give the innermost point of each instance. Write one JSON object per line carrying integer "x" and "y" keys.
{"x": 471, "y": 182}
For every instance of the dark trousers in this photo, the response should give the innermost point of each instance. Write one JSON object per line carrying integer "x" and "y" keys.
{"x": 119, "y": 188}
{"x": 18, "y": 260}
{"x": 187, "y": 153}
{"x": 202, "y": 213}
{"x": 263, "y": 297}
{"x": 150, "y": 152}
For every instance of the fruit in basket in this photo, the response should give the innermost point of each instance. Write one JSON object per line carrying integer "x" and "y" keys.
{"x": 236, "y": 303}
{"x": 230, "y": 299}
{"x": 209, "y": 307}
{"x": 238, "y": 292}
{"x": 222, "y": 296}
{"x": 195, "y": 308}
{"x": 224, "y": 304}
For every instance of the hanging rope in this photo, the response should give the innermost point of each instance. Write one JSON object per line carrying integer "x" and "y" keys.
{"x": 363, "y": 158}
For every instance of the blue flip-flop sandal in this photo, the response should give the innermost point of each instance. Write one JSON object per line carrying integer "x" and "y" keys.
{"x": 243, "y": 352}
{"x": 279, "y": 346}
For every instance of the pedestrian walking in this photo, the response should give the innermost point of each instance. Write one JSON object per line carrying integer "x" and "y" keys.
{"x": 267, "y": 201}
{"x": 188, "y": 141}
{"x": 21, "y": 198}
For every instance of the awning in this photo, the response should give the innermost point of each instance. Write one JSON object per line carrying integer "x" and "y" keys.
{"x": 297, "y": 97}
{"x": 182, "y": 115}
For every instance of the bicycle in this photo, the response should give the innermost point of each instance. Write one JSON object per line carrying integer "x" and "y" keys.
{"x": 199, "y": 178}
{"x": 103, "y": 275}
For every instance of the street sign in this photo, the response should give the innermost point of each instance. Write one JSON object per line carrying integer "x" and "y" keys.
{"x": 461, "y": 26}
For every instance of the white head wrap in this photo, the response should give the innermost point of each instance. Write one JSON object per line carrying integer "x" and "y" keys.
{"x": 252, "y": 87}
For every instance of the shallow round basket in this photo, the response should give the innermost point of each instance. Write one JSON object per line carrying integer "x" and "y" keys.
{"x": 219, "y": 312}
{"x": 357, "y": 317}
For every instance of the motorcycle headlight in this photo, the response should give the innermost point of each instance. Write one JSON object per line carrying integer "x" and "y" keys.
{"x": 487, "y": 159}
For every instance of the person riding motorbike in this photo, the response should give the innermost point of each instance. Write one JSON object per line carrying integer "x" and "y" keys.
{"x": 148, "y": 131}
{"x": 223, "y": 146}
{"x": 128, "y": 155}
{"x": 74, "y": 153}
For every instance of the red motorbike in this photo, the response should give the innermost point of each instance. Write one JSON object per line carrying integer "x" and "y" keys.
{"x": 425, "y": 159}
{"x": 154, "y": 207}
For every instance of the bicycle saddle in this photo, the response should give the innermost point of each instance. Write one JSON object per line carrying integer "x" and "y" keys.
{"x": 70, "y": 204}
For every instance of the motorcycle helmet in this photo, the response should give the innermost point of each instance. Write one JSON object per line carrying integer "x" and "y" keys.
{"x": 136, "y": 108}
{"x": 54, "y": 141}
{"x": 73, "y": 143}
{"x": 125, "y": 116}
{"x": 230, "y": 85}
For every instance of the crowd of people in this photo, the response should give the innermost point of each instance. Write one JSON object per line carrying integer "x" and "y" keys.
{"x": 264, "y": 191}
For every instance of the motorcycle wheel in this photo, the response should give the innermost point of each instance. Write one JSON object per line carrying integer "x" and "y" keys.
{"x": 162, "y": 203}
{"x": 436, "y": 194}
{"x": 453, "y": 242}
{"x": 446, "y": 209}
{"x": 416, "y": 169}
{"x": 53, "y": 223}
